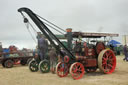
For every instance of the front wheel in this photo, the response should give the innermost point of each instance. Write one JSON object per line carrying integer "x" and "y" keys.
{"x": 33, "y": 65}
{"x": 77, "y": 70}
{"x": 62, "y": 69}
{"x": 44, "y": 66}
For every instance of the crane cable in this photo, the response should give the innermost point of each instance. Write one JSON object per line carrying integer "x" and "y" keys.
{"x": 50, "y": 23}
{"x": 53, "y": 28}
{"x": 46, "y": 24}
{"x": 27, "y": 23}
{"x": 33, "y": 28}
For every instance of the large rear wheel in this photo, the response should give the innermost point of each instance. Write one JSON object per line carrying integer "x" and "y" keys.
{"x": 107, "y": 61}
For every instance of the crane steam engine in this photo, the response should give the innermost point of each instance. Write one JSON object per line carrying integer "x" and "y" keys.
{"x": 80, "y": 56}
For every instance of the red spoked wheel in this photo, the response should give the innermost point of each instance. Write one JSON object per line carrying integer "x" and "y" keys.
{"x": 99, "y": 47}
{"x": 77, "y": 70}
{"x": 107, "y": 61}
{"x": 62, "y": 69}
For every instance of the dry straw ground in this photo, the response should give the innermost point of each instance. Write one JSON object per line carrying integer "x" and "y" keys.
{"x": 20, "y": 75}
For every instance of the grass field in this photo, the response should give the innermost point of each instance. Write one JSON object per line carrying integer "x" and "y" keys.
{"x": 20, "y": 75}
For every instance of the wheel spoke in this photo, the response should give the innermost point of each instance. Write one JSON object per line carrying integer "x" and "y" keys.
{"x": 104, "y": 62}
{"x": 111, "y": 60}
{"x": 106, "y": 54}
{"x": 104, "y": 58}
{"x": 110, "y": 57}
{"x": 79, "y": 69}
{"x": 109, "y": 65}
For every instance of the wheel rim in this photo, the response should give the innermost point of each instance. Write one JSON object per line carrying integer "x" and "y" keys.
{"x": 107, "y": 61}
{"x": 29, "y": 60}
{"x": 44, "y": 66}
{"x": 62, "y": 69}
{"x": 77, "y": 70}
{"x": 33, "y": 66}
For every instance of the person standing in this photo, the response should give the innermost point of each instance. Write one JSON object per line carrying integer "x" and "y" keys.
{"x": 53, "y": 59}
{"x": 42, "y": 46}
{"x": 125, "y": 49}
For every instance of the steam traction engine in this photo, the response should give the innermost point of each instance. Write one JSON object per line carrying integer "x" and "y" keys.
{"x": 88, "y": 57}
{"x": 81, "y": 57}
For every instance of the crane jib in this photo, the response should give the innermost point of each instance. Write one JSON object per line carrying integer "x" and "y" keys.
{"x": 50, "y": 36}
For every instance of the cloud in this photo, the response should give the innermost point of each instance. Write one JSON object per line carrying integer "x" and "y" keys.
{"x": 81, "y": 15}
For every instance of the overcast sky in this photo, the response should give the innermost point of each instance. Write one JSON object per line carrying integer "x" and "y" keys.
{"x": 81, "y": 15}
